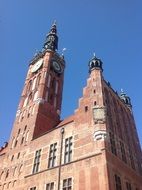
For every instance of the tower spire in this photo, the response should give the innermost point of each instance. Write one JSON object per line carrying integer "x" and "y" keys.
{"x": 51, "y": 42}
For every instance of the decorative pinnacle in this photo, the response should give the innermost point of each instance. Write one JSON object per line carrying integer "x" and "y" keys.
{"x": 63, "y": 50}
{"x": 122, "y": 92}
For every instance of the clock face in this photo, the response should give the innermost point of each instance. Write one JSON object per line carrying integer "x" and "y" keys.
{"x": 57, "y": 67}
{"x": 37, "y": 65}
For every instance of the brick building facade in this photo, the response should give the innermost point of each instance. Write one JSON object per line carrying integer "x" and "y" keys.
{"x": 96, "y": 148}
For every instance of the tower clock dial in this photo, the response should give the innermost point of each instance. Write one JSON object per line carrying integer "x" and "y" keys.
{"x": 57, "y": 67}
{"x": 37, "y": 65}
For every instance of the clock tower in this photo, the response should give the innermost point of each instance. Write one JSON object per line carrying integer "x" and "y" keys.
{"x": 40, "y": 103}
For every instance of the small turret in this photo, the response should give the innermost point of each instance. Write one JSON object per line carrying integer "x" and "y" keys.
{"x": 126, "y": 99}
{"x": 95, "y": 63}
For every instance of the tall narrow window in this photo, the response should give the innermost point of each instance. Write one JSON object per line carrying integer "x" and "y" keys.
{"x": 1, "y": 175}
{"x": 50, "y": 186}
{"x": 36, "y": 95}
{"x": 33, "y": 110}
{"x": 34, "y": 83}
{"x": 15, "y": 144}
{"x": 112, "y": 143}
{"x": 128, "y": 186}
{"x": 22, "y": 140}
{"x": 49, "y": 80}
{"x": 117, "y": 182}
{"x": 55, "y": 101}
{"x": 37, "y": 161}
{"x": 27, "y": 136}
{"x": 30, "y": 98}
{"x": 19, "y": 131}
{"x": 15, "y": 171}
{"x": 56, "y": 87}
{"x": 131, "y": 159}
{"x": 23, "y": 115}
{"x": 52, "y": 155}
{"x": 38, "y": 80}
{"x": 68, "y": 150}
{"x": 25, "y": 102}
{"x": 29, "y": 86}
{"x": 46, "y": 96}
{"x": 7, "y": 174}
{"x": 67, "y": 184}
{"x": 29, "y": 111}
{"x": 123, "y": 153}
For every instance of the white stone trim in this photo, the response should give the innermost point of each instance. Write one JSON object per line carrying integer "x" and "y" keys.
{"x": 100, "y": 135}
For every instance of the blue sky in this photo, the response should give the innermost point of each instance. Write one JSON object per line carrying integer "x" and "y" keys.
{"x": 110, "y": 28}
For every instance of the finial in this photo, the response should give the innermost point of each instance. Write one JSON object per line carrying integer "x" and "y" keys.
{"x": 122, "y": 91}
{"x": 63, "y": 50}
{"x": 55, "y": 22}
{"x": 94, "y": 54}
